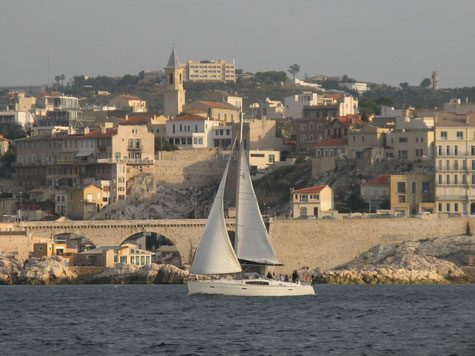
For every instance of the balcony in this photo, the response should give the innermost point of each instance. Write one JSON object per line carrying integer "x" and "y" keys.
{"x": 135, "y": 148}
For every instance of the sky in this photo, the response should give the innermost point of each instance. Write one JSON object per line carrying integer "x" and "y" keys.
{"x": 370, "y": 40}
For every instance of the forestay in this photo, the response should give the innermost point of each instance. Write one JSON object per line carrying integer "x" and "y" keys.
{"x": 215, "y": 254}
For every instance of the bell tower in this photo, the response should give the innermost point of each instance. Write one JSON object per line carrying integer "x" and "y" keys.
{"x": 174, "y": 95}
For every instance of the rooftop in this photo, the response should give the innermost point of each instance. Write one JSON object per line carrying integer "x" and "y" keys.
{"x": 315, "y": 189}
{"x": 217, "y": 105}
{"x": 190, "y": 118}
{"x": 383, "y": 179}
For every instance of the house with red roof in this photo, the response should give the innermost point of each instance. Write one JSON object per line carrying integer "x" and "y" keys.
{"x": 376, "y": 191}
{"x": 312, "y": 201}
{"x": 331, "y": 147}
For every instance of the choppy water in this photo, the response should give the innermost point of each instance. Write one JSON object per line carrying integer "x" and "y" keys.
{"x": 152, "y": 319}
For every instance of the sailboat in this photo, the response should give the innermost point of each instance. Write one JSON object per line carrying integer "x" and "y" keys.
{"x": 216, "y": 256}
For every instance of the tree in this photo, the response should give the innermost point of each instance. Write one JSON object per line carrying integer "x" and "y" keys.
{"x": 355, "y": 202}
{"x": 404, "y": 85}
{"x": 57, "y": 79}
{"x": 294, "y": 69}
{"x": 62, "y": 77}
{"x": 426, "y": 82}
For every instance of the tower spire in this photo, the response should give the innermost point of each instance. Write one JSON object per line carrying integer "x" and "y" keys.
{"x": 173, "y": 62}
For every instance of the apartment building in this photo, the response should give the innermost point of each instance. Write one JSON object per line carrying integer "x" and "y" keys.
{"x": 271, "y": 109}
{"x": 294, "y": 104}
{"x": 196, "y": 131}
{"x": 331, "y": 147}
{"x": 104, "y": 154}
{"x": 455, "y": 163}
{"x": 412, "y": 194}
{"x": 332, "y": 106}
{"x": 210, "y": 71}
{"x": 9, "y": 120}
{"x": 367, "y": 142}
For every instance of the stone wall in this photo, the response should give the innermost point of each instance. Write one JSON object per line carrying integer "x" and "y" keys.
{"x": 16, "y": 242}
{"x": 329, "y": 243}
{"x": 187, "y": 168}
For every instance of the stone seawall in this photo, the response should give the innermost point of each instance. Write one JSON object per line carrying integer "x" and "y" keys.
{"x": 329, "y": 243}
{"x": 18, "y": 243}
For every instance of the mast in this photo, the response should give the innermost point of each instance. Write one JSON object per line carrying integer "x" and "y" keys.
{"x": 240, "y": 149}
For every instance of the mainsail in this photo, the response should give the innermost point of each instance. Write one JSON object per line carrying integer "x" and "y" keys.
{"x": 215, "y": 254}
{"x": 252, "y": 240}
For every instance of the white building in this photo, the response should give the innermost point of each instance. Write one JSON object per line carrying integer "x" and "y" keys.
{"x": 16, "y": 118}
{"x": 358, "y": 87}
{"x": 59, "y": 102}
{"x": 390, "y": 111}
{"x": 294, "y": 104}
{"x": 272, "y": 109}
{"x": 210, "y": 71}
{"x": 192, "y": 131}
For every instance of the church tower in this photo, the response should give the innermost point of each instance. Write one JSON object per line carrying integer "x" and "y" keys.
{"x": 174, "y": 95}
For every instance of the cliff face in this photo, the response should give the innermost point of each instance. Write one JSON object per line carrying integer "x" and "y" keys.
{"x": 438, "y": 260}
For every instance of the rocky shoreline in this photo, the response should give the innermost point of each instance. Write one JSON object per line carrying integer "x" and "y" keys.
{"x": 439, "y": 260}
{"x": 53, "y": 270}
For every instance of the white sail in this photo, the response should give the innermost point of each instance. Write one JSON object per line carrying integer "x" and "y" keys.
{"x": 215, "y": 254}
{"x": 251, "y": 234}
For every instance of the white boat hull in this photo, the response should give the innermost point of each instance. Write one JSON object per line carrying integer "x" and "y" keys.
{"x": 248, "y": 288}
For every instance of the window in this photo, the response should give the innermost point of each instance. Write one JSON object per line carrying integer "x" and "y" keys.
{"x": 456, "y": 207}
{"x": 401, "y": 187}
{"x": 456, "y": 179}
{"x": 448, "y": 179}
{"x": 123, "y": 259}
{"x": 440, "y": 207}
{"x": 440, "y": 150}
{"x": 303, "y": 211}
{"x": 464, "y": 179}
{"x": 456, "y": 165}
{"x": 456, "y": 150}
{"x": 354, "y": 139}
{"x": 447, "y": 150}
{"x": 271, "y": 158}
{"x": 402, "y": 139}
{"x": 473, "y": 178}
{"x": 362, "y": 139}
{"x": 448, "y": 207}
{"x": 401, "y": 198}
{"x": 443, "y": 135}
{"x": 473, "y": 151}
{"x": 304, "y": 197}
{"x": 414, "y": 187}
{"x": 464, "y": 164}
{"x": 426, "y": 187}
{"x": 459, "y": 135}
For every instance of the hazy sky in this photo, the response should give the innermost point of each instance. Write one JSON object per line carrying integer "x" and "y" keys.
{"x": 371, "y": 40}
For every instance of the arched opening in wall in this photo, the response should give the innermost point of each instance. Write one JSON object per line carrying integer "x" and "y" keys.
{"x": 70, "y": 246}
{"x": 160, "y": 249}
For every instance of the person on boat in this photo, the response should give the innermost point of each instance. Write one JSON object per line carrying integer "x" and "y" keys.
{"x": 286, "y": 279}
{"x": 295, "y": 276}
{"x": 269, "y": 275}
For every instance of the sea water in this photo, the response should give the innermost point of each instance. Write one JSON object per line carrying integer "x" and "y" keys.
{"x": 162, "y": 319}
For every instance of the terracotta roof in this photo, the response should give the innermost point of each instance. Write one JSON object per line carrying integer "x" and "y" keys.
{"x": 333, "y": 96}
{"x": 332, "y": 142}
{"x": 315, "y": 189}
{"x": 195, "y": 111}
{"x": 383, "y": 179}
{"x": 190, "y": 118}
{"x": 216, "y": 105}
{"x": 139, "y": 119}
{"x": 39, "y": 189}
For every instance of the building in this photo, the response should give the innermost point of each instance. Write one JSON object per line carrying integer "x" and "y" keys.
{"x": 4, "y": 145}
{"x": 210, "y": 71}
{"x": 56, "y": 101}
{"x": 331, "y": 147}
{"x": 263, "y": 134}
{"x": 174, "y": 94}
{"x": 412, "y": 144}
{"x": 332, "y": 106}
{"x": 194, "y": 131}
{"x": 224, "y": 97}
{"x": 11, "y": 120}
{"x": 84, "y": 202}
{"x": 311, "y": 201}
{"x": 358, "y": 87}
{"x": 128, "y": 103}
{"x": 7, "y": 223}
{"x": 455, "y": 163}
{"x": 263, "y": 159}
{"x": 294, "y": 104}
{"x": 19, "y": 101}
{"x": 104, "y": 154}
{"x": 110, "y": 256}
{"x": 271, "y": 109}
{"x": 412, "y": 194}
{"x": 459, "y": 107}
{"x": 367, "y": 142}
{"x": 376, "y": 192}
{"x": 216, "y": 110}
